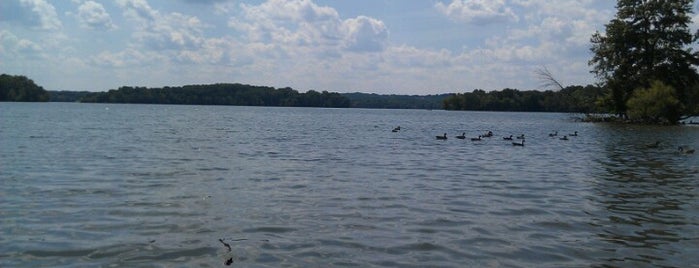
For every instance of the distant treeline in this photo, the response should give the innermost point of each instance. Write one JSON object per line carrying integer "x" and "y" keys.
{"x": 579, "y": 99}
{"x": 67, "y": 96}
{"x": 572, "y": 99}
{"x": 364, "y": 100}
{"x": 220, "y": 94}
{"x": 20, "y": 88}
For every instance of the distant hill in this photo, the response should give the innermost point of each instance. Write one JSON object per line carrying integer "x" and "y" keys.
{"x": 368, "y": 100}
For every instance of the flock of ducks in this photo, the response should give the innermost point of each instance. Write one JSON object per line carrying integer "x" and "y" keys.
{"x": 516, "y": 141}
{"x": 519, "y": 140}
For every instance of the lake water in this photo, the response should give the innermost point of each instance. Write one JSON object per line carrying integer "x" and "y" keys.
{"x": 85, "y": 185}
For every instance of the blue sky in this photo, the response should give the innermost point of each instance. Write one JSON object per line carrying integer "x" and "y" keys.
{"x": 376, "y": 46}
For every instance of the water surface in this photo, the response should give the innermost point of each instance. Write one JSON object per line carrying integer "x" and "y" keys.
{"x": 162, "y": 186}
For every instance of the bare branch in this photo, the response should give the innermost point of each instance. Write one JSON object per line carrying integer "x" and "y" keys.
{"x": 547, "y": 79}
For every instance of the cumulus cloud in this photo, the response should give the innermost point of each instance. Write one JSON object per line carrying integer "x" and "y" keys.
{"x": 138, "y": 9}
{"x": 299, "y": 24}
{"x": 92, "y": 15}
{"x": 37, "y": 14}
{"x": 479, "y": 12}
{"x": 173, "y": 31}
{"x": 365, "y": 34}
{"x": 10, "y": 44}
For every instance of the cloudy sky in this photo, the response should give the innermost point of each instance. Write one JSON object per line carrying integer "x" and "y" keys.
{"x": 377, "y": 46}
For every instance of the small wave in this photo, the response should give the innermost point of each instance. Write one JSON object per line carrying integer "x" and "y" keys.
{"x": 270, "y": 229}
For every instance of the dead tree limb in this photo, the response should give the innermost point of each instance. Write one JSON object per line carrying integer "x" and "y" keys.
{"x": 547, "y": 79}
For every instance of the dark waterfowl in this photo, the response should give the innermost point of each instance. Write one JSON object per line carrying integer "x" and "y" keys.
{"x": 574, "y": 134}
{"x": 488, "y": 134}
{"x": 444, "y": 137}
{"x": 514, "y": 143}
{"x": 462, "y": 136}
{"x": 656, "y": 144}
{"x": 520, "y": 137}
{"x": 507, "y": 138}
{"x": 564, "y": 138}
{"x": 476, "y": 139}
{"x": 683, "y": 150}
{"x": 396, "y": 129}
{"x": 554, "y": 134}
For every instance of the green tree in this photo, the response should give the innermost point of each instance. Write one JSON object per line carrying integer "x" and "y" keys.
{"x": 657, "y": 104}
{"x": 648, "y": 40}
{"x": 21, "y": 88}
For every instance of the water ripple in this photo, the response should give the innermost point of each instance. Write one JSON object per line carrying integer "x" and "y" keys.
{"x": 193, "y": 186}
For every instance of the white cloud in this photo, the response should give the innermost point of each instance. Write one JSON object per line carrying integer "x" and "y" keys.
{"x": 92, "y": 15}
{"x": 174, "y": 31}
{"x": 301, "y": 25}
{"x": 365, "y": 34}
{"x": 11, "y": 45}
{"x": 37, "y": 14}
{"x": 478, "y": 12}
{"x": 128, "y": 58}
{"x": 138, "y": 9}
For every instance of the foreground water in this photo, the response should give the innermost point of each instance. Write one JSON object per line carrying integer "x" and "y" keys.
{"x": 197, "y": 186}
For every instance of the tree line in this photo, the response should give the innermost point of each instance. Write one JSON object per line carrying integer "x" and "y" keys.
{"x": 381, "y": 101}
{"x": 220, "y": 94}
{"x": 572, "y": 99}
{"x": 21, "y": 88}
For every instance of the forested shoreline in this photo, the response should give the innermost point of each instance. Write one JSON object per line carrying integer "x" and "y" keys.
{"x": 570, "y": 99}
{"x": 220, "y": 94}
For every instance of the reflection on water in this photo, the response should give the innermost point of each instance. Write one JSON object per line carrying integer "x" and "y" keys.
{"x": 647, "y": 198}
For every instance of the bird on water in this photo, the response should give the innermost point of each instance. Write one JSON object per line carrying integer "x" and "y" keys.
{"x": 656, "y": 144}
{"x": 683, "y": 150}
{"x": 443, "y": 137}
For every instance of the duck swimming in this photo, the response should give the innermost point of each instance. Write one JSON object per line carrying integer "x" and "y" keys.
{"x": 476, "y": 139}
{"x": 514, "y": 143}
{"x": 507, "y": 138}
{"x": 444, "y": 137}
{"x": 656, "y": 144}
{"x": 683, "y": 150}
{"x": 462, "y": 136}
